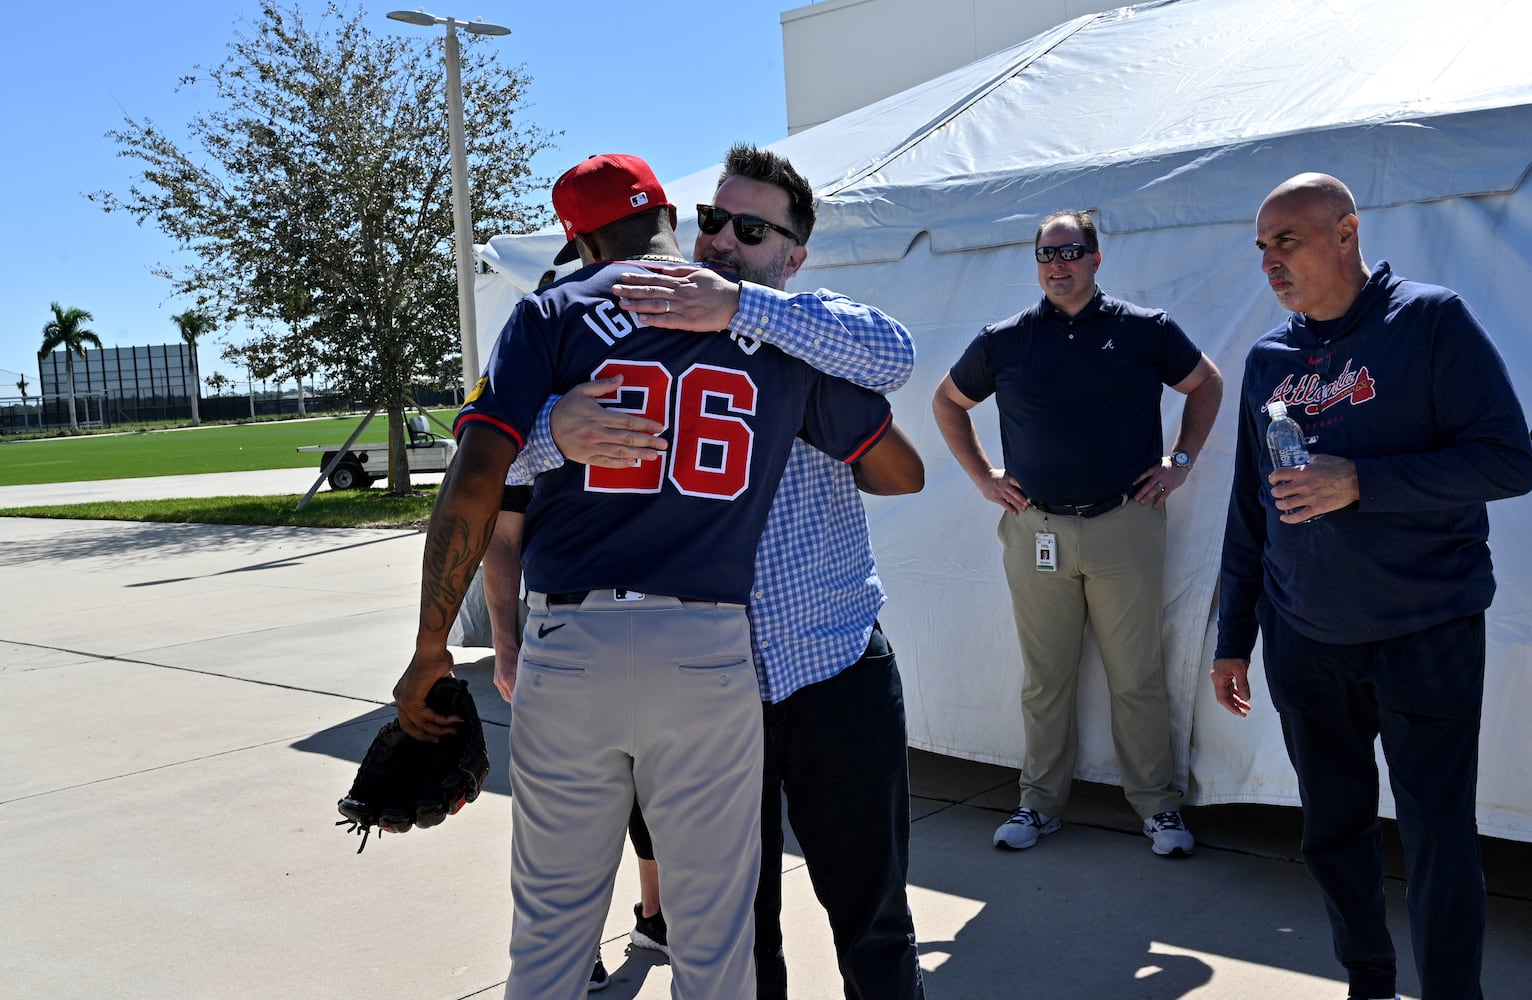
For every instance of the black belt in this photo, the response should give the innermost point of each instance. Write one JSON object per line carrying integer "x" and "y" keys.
{"x": 1082, "y": 509}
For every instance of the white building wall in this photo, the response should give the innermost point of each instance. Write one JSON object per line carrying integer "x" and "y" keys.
{"x": 839, "y": 55}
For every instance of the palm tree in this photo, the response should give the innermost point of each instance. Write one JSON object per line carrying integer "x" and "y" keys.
{"x": 64, "y": 330}
{"x": 192, "y": 325}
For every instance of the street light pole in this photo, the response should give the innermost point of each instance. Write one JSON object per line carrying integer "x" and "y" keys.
{"x": 462, "y": 222}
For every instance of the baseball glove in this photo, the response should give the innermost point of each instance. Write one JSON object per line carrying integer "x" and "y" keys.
{"x": 404, "y": 782}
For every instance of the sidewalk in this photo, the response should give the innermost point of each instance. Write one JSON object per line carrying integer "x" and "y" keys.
{"x": 266, "y": 482}
{"x": 182, "y": 706}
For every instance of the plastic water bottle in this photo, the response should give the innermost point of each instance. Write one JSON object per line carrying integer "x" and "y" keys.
{"x": 1284, "y": 438}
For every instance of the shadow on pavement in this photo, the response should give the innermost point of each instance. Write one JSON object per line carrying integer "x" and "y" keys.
{"x": 1091, "y": 911}
{"x": 169, "y": 541}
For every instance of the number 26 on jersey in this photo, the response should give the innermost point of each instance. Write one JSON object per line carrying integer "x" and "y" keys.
{"x": 709, "y": 452}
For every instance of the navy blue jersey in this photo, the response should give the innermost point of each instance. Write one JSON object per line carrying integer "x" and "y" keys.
{"x": 685, "y": 526}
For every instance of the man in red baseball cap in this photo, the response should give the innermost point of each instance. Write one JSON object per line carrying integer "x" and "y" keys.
{"x": 637, "y": 678}
{"x": 601, "y": 190}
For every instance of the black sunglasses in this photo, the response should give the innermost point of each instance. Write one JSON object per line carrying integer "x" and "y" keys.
{"x": 1069, "y": 251}
{"x": 748, "y": 229}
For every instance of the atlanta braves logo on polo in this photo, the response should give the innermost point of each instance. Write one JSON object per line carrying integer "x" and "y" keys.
{"x": 1317, "y": 396}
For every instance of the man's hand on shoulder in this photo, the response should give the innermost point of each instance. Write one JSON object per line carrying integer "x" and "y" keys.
{"x": 698, "y": 299}
{"x": 592, "y": 434}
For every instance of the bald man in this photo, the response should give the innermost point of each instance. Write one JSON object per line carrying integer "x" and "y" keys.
{"x": 1367, "y": 574}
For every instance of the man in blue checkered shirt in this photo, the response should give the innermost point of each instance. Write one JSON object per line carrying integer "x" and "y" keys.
{"x": 832, "y": 699}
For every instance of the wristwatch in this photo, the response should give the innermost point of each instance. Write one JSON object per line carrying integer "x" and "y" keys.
{"x": 1181, "y": 460}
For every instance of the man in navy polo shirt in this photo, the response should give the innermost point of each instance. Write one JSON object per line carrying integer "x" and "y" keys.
{"x": 1077, "y": 381}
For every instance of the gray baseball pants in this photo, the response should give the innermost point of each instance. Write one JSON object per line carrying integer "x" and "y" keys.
{"x": 651, "y": 697}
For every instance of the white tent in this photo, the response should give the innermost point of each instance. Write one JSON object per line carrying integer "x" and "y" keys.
{"x": 1172, "y": 120}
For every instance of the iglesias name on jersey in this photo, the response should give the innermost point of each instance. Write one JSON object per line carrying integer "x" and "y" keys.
{"x": 686, "y": 525}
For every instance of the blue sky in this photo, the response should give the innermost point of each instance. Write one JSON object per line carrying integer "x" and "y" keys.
{"x": 714, "y": 78}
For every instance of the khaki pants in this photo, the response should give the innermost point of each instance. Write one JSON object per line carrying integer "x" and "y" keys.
{"x": 1110, "y": 570}
{"x": 654, "y": 699}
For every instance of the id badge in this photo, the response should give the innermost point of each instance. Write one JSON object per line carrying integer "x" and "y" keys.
{"x": 1047, "y": 552}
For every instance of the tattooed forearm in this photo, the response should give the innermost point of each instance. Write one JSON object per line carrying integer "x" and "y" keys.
{"x": 454, "y": 546}
{"x": 462, "y": 523}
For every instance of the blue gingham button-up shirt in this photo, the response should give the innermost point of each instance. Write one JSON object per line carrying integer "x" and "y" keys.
{"x": 816, "y": 592}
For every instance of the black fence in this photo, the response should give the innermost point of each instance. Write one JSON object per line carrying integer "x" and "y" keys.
{"x": 103, "y": 411}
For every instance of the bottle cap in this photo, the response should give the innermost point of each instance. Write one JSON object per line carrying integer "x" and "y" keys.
{"x": 1276, "y": 409}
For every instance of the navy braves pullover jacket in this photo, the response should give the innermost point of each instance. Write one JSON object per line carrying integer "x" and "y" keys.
{"x": 1409, "y": 386}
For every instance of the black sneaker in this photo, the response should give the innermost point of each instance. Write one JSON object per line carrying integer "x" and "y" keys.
{"x": 598, "y": 977}
{"x": 649, "y": 932}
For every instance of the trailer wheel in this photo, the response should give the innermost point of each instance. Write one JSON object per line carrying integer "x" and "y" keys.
{"x": 349, "y": 476}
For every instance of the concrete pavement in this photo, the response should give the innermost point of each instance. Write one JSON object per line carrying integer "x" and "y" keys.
{"x": 182, "y": 705}
{"x": 261, "y": 483}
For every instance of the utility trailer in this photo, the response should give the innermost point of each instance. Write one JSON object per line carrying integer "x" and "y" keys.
{"x": 361, "y": 464}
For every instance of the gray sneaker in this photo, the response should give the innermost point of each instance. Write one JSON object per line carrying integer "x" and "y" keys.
{"x": 1025, "y": 828}
{"x": 1169, "y": 834}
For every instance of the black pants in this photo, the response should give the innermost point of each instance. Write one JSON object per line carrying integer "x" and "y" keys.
{"x": 837, "y": 750}
{"x": 1423, "y": 692}
{"x": 638, "y": 832}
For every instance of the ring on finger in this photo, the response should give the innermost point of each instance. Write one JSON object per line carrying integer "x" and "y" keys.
{"x": 667, "y": 306}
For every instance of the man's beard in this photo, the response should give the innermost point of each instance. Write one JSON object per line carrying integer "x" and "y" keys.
{"x": 771, "y": 274}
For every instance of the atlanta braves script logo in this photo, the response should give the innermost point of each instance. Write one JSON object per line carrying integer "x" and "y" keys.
{"x": 1316, "y": 395}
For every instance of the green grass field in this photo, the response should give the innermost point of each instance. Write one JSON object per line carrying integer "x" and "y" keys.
{"x": 328, "y": 509}
{"x": 237, "y": 448}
